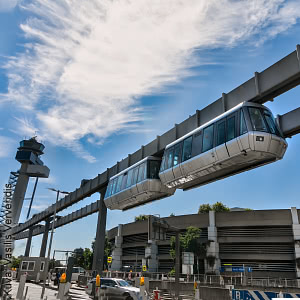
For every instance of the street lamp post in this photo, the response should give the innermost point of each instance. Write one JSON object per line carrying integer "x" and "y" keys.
{"x": 51, "y": 237}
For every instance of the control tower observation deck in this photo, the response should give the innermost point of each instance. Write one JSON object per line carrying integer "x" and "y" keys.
{"x": 28, "y": 155}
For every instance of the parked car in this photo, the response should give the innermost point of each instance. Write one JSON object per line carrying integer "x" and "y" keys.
{"x": 114, "y": 289}
{"x": 75, "y": 273}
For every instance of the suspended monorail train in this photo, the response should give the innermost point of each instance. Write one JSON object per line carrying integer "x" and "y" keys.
{"x": 240, "y": 139}
{"x": 136, "y": 185}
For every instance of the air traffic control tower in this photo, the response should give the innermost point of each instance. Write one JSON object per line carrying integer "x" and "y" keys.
{"x": 28, "y": 155}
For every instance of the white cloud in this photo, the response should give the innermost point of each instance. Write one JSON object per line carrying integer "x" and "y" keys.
{"x": 7, "y": 5}
{"x": 7, "y": 146}
{"x": 87, "y": 63}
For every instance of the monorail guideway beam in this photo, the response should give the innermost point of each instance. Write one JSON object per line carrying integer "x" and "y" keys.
{"x": 262, "y": 87}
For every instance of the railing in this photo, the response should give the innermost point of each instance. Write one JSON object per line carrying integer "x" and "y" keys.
{"x": 205, "y": 280}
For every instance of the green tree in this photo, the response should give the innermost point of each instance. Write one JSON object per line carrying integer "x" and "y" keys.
{"x": 217, "y": 207}
{"x": 204, "y": 208}
{"x": 15, "y": 262}
{"x": 141, "y": 218}
{"x": 87, "y": 259}
{"x": 172, "y": 215}
{"x": 220, "y": 207}
{"x": 108, "y": 247}
{"x": 79, "y": 259}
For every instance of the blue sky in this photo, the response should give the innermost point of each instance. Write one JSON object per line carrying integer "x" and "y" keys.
{"x": 96, "y": 82}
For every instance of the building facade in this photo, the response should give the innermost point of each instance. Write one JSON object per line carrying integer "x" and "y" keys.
{"x": 267, "y": 241}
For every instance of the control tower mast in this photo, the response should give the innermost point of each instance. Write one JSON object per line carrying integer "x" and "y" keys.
{"x": 28, "y": 155}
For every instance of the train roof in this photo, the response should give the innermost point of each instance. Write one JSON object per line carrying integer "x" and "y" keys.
{"x": 214, "y": 120}
{"x": 134, "y": 165}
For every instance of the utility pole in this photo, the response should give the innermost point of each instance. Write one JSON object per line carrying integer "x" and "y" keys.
{"x": 51, "y": 237}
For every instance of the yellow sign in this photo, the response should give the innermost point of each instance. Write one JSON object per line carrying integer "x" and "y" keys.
{"x": 109, "y": 259}
{"x": 98, "y": 280}
{"x": 144, "y": 268}
{"x": 142, "y": 281}
{"x": 63, "y": 278}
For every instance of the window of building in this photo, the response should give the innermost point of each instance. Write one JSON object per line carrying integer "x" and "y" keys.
{"x": 42, "y": 266}
{"x": 208, "y": 138}
{"x": 24, "y": 266}
{"x": 243, "y": 126}
{"x": 230, "y": 128}
{"x": 31, "y": 265}
{"x": 221, "y": 136}
{"x": 257, "y": 120}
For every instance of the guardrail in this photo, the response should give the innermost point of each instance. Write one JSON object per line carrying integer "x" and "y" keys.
{"x": 201, "y": 279}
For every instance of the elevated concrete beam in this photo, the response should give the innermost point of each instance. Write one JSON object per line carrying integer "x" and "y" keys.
{"x": 262, "y": 87}
{"x": 290, "y": 123}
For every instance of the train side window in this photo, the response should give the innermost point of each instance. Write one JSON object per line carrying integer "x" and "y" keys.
{"x": 153, "y": 169}
{"x": 230, "y": 128}
{"x": 135, "y": 175}
{"x": 124, "y": 182}
{"x": 208, "y": 138}
{"x": 119, "y": 182}
{"x": 187, "y": 148}
{"x": 243, "y": 126}
{"x": 197, "y": 143}
{"x": 142, "y": 171}
{"x": 177, "y": 152}
{"x": 221, "y": 134}
{"x": 257, "y": 120}
{"x": 170, "y": 158}
{"x": 114, "y": 186}
{"x": 108, "y": 190}
{"x": 162, "y": 166}
{"x": 129, "y": 178}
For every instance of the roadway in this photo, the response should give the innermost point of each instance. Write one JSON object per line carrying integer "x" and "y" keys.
{"x": 35, "y": 290}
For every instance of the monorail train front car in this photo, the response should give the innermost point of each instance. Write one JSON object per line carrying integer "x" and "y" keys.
{"x": 136, "y": 185}
{"x": 242, "y": 138}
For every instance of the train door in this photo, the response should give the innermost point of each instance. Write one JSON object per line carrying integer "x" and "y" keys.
{"x": 208, "y": 152}
{"x": 243, "y": 132}
{"x": 231, "y": 135}
{"x": 177, "y": 160}
{"x": 221, "y": 150}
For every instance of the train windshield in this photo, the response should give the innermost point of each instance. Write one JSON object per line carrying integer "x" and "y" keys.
{"x": 271, "y": 123}
{"x": 257, "y": 120}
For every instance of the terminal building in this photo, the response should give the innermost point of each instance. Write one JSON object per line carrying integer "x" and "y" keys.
{"x": 267, "y": 241}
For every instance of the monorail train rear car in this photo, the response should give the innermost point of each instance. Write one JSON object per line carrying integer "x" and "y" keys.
{"x": 136, "y": 185}
{"x": 243, "y": 138}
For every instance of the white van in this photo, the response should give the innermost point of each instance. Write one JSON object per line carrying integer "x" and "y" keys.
{"x": 76, "y": 272}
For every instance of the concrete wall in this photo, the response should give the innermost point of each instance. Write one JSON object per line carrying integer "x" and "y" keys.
{"x": 214, "y": 293}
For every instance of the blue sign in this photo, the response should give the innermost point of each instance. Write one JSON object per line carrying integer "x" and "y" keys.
{"x": 238, "y": 269}
{"x": 254, "y": 295}
{"x": 249, "y": 270}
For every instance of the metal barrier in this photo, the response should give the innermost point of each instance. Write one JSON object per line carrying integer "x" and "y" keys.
{"x": 206, "y": 280}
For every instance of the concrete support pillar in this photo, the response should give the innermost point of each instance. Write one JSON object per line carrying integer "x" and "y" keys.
{"x": 28, "y": 244}
{"x": 151, "y": 252}
{"x": 19, "y": 193}
{"x": 296, "y": 233}
{"x": 212, "y": 260}
{"x": 100, "y": 237}
{"x": 116, "y": 264}
{"x": 45, "y": 238}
